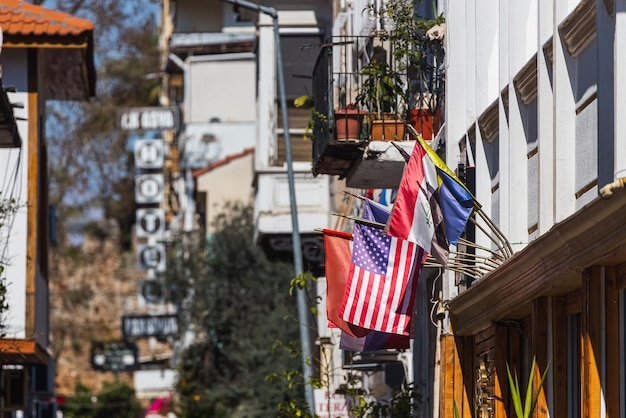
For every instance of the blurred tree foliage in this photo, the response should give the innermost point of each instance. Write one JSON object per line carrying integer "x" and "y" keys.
{"x": 236, "y": 304}
{"x": 115, "y": 400}
{"x": 90, "y": 161}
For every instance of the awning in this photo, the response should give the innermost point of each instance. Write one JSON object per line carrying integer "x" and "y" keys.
{"x": 550, "y": 265}
{"x": 16, "y": 351}
{"x": 67, "y": 42}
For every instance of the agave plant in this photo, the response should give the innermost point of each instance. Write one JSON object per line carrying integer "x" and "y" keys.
{"x": 530, "y": 401}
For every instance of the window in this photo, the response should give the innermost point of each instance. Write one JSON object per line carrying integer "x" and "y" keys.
{"x": 492, "y": 155}
{"x": 586, "y": 144}
{"x": 529, "y": 117}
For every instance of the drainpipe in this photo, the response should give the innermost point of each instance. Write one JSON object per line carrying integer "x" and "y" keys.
{"x": 303, "y": 311}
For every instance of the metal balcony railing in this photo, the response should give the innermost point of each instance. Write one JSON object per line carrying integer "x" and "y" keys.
{"x": 362, "y": 73}
{"x": 339, "y": 83}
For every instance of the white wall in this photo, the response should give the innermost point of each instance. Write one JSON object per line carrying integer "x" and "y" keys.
{"x": 14, "y": 184}
{"x": 273, "y": 211}
{"x": 221, "y": 87}
{"x": 230, "y": 182}
{"x": 489, "y": 43}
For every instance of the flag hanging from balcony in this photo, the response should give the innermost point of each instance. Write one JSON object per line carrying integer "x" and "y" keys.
{"x": 433, "y": 205}
{"x": 380, "y": 291}
{"x": 337, "y": 250}
{"x": 457, "y": 203}
{"x": 416, "y": 213}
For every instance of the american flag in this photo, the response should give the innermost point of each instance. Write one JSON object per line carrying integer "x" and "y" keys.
{"x": 380, "y": 291}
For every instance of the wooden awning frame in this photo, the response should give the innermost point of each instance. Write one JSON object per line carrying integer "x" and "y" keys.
{"x": 18, "y": 351}
{"x": 548, "y": 266}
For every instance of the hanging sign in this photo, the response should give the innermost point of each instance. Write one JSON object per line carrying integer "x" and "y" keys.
{"x": 151, "y": 292}
{"x": 149, "y": 188}
{"x": 149, "y": 118}
{"x": 114, "y": 356}
{"x": 150, "y": 222}
{"x": 149, "y": 153}
{"x": 137, "y": 326}
{"x": 151, "y": 256}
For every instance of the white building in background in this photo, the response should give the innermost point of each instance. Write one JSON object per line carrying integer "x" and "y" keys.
{"x": 221, "y": 71}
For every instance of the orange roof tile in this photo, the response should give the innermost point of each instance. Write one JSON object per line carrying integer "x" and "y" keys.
{"x": 17, "y": 17}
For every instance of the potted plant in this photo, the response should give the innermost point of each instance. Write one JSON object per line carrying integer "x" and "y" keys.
{"x": 427, "y": 88}
{"x": 348, "y": 123}
{"x": 418, "y": 51}
{"x": 381, "y": 94}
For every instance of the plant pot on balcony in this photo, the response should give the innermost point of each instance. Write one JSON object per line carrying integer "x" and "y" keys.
{"x": 348, "y": 124}
{"x": 387, "y": 130}
{"x": 424, "y": 122}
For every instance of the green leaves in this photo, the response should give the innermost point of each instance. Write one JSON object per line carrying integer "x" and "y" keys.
{"x": 235, "y": 302}
{"x": 402, "y": 404}
{"x": 300, "y": 282}
{"x": 530, "y": 400}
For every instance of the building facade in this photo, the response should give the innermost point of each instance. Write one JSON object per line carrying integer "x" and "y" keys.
{"x": 46, "y": 55}
{"x": 534, "y": 94}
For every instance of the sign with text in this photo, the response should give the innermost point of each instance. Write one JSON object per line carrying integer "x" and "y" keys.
{"x": 330, "y": 405}
{"x": 149, "y": 188}
{"x": 140, "y": 326}
{"x": 114, "y": 356}
{"x": 150, "y": 222}
{"x": 151, "y": 256}
{"x": 149, "y": 118}
{"x": 149, "y": 153}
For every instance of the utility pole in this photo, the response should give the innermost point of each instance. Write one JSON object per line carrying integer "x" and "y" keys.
{"x": 307, "y": 369}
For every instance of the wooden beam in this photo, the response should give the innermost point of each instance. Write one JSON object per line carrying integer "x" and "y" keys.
{"x": 539, "y": 342}
{"x": 501, "y": 380}
{"x": 46, "y": 45}
{"x": 612, "y": 326}
{"x": 448, "y": 363}
{"x": 32, "y": 194}
{"x": 456, "y": 385}
{"x": 559, "y": 356}
{"x": 591, "y": 353}
{"x": 546, "y": 267}
{"x": 620, "y": 273}
{"x": 464, "y": 392}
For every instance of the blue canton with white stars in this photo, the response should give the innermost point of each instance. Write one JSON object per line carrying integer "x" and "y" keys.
{"x": 371, "y": 249}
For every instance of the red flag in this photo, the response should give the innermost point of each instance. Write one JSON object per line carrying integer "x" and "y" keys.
{"x": 416, "y": 214}
{"x": 338, "y": 253}
{"x": 380, "y": 292}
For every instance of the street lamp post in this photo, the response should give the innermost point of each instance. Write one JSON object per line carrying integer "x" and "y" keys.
{"x": 297, "y": 248}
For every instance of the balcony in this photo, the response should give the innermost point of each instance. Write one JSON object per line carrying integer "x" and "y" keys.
{"x": 272, "y": 214}
{"x": 364, "y": 82}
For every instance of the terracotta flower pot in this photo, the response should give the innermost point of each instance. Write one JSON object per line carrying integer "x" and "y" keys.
{"x": 348, "y": 124}
{"x": 387, "y": 130}
{"x": 424, "y": 122}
